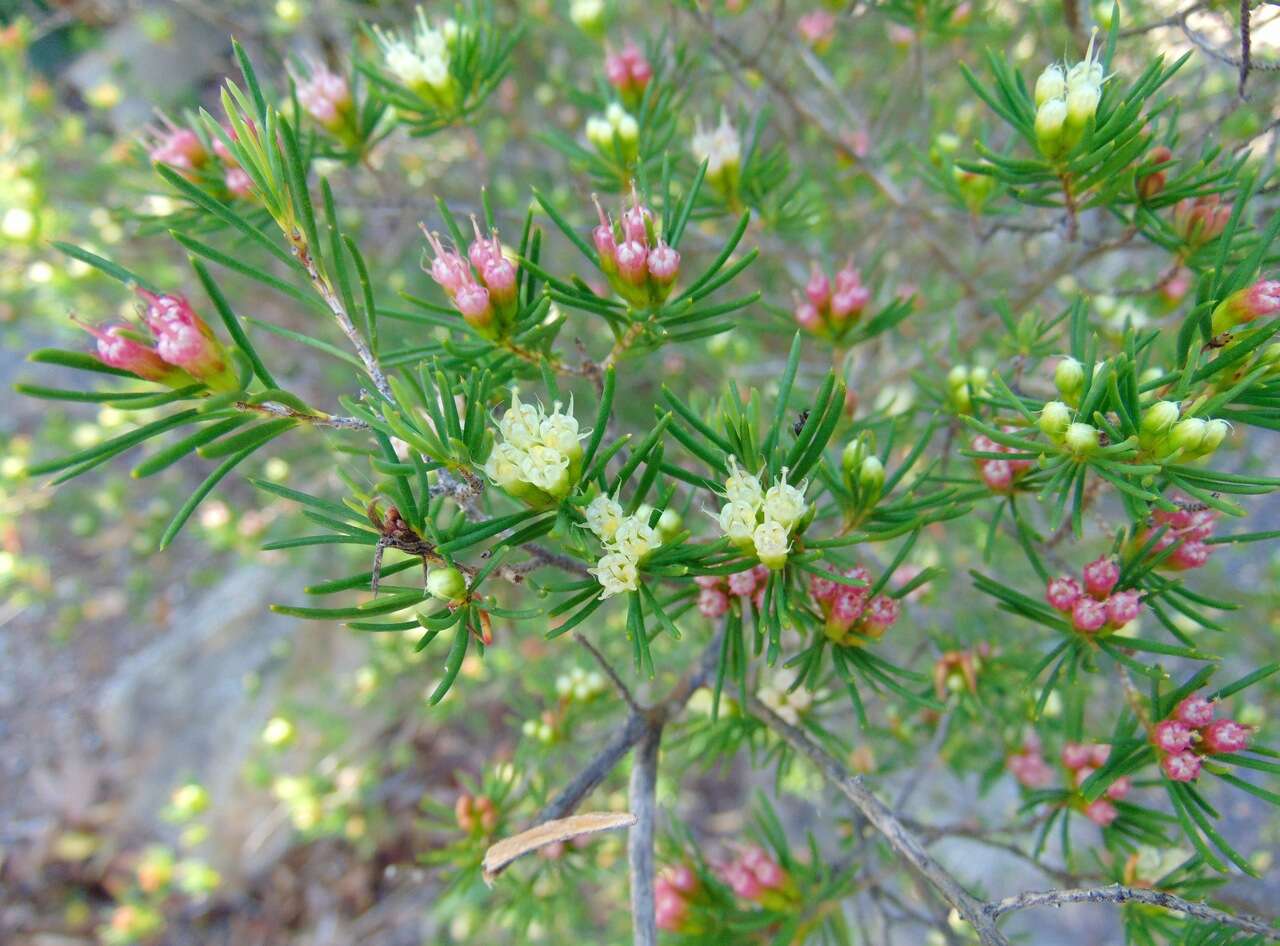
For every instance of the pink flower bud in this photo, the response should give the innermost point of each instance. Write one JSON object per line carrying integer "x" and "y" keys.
{"x": 1169, "y": 735}
{"x": 635, "y": 220}
{"x": 664, "y": 263}
{"x": 1100, "y": 577}
{"x": 849, "y": 303}
{"x": 484, "y": 249}
{"x": 633, "y": 262}
{"x": 499, "y": 278}
{"x": 682, "y": 878}
{"x": 743, "y": 882}
{"x": 1088, "y": 615}
{"x": 1101, "y": 812}
{"x": 1123, "y": 607}
{"x": 669, "y": 909}
{"x": 1075, "y": 755}
{"x": 882, "y": 611}
{"x": 847, "y": 607}
{"x": 1183, "y": 767}
{"x": 1062, "y": 593}
{"x": 818, "y": 288}
{"x": 1177, "y": 286}
{"x": 1030, "y": 769}
{"x": 742, "y": 583}
{"x": 183, "y": 339}
{"x": 823, "y": 589}
{"x": 997, "y": 475}
{"x": 713, "y": 603}
{"x": 1099, "y": 753}
{"x": 472, "y": 300}
{"x": 1120, "y": 788}
{"x": 1201, "y": 219}
{"x": 1189, "y": 555}
{"x": 848, "y": 277}
{"x": 1224, "y": 735}
{"x": 808, "y": 317}
{"x": 817, "y": 28}
{"x": 1195, "y": 711}
{"x": 708, "y": 581}
{"x": 324, "y": 95}
{"x": 448, "y": 269}
{"x": 617, "y": 72}
{"x": 1199, "y": 525}
{"x": 1243, "y": 306}
{"x": 984, "y": 444}
{"x": 179, "y": 148}
{"x": 237, "y": 182}
{"x": 119, "y": 351}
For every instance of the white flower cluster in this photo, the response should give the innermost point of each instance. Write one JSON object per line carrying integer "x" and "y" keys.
{"x": 539, "y": 453}
{"x": 761, "y": 521}
{"x": 626, "y": 540}
{"x": 616, "y": 119}
{"x": 421, "y": 60}
{"x": 719, "y": 146}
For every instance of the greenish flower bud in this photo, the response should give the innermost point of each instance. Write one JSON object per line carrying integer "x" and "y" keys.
{"x": 669, "y": 524}
{"x": 1215, "y": 431}
{"x": 1081, "y": 439}
{"x": 1052, "y": 84}
{"x": 871, "y": 475}
{"x": 1188, "y": 435}
{"x": 854, "y": 453}
{"x": 1068, "y": 377}
{"x": 1159, "y": 418}
{"x": 1054, "y": 420}
{"x": 1051, "y": 117}
{"x": 447, "y": 584}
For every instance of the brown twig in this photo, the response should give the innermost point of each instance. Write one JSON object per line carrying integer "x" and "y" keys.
{"x": 644, "y": 781}
{"x": 1119, "y": 894}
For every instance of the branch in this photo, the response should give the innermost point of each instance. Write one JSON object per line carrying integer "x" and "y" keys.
{"x": 644, "y": 780}
{"x": 631, "y": 732}
{"x": 1118, "y": 894}
{"x": 906, "y": 844}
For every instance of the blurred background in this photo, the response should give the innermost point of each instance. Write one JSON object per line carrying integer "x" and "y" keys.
{"x": 280, "y": 781}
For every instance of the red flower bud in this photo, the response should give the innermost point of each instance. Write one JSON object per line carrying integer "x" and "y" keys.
{"x": 1195, "y": 711}
{"x": 1224, "y": 735}
{"x": 1100, "y": 577}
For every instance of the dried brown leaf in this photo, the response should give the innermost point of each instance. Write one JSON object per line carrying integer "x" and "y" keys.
{"x": 503, "y": 853}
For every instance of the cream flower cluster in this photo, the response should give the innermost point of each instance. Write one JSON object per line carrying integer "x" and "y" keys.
{"x": 1065, "y": 101}
{"x": 758, "y": 520}
{"x": 538, "y": 455}
{"x": 626, "y": 539}
{"x": 718, "y": 146}
{"x": 420, "y": 61}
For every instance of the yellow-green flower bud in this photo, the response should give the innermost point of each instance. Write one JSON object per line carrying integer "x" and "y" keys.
{"x": 1158, "y": 419}
{"x": 447, "y": 584}
{"x": 1215, "y": 431}
{"x": 669, "y": 524}
{"x": 1188, "y": 434}
{"x": 1081, "y": 439}
{"x": 1054, "y": 420}
{"x": 871, "y": 475}
{"x": 1051, "y": 117}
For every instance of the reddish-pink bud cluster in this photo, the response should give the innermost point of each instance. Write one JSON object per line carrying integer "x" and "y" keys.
{"x": 1198, "y": 220}
{"x": 1081, "y": 760}
{"x": 186, "y": 348}
{"x": 999, "y": 476}
{"x": 1028, "y": 765}
{"x": 853, "y": 616}
{"x": 753, "y": 873}
{"x": 1189, "y": 733}
{"x": 1188, "y": 527}
{"x": 628, "y": 71}
{"x": 831, "y": 310}
{"x": 672, "y": 890}
{"x": 1258, "y": 301}
{"x": 482, "y": 286}
{"x": 179, "y": 148}
{"x": 638, "y": 262}
{"x": 1097, "y": 604}
{"x": 475, "y": 812}
{"x": 325, "y": 96}
{"x": 718, "y": 590}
